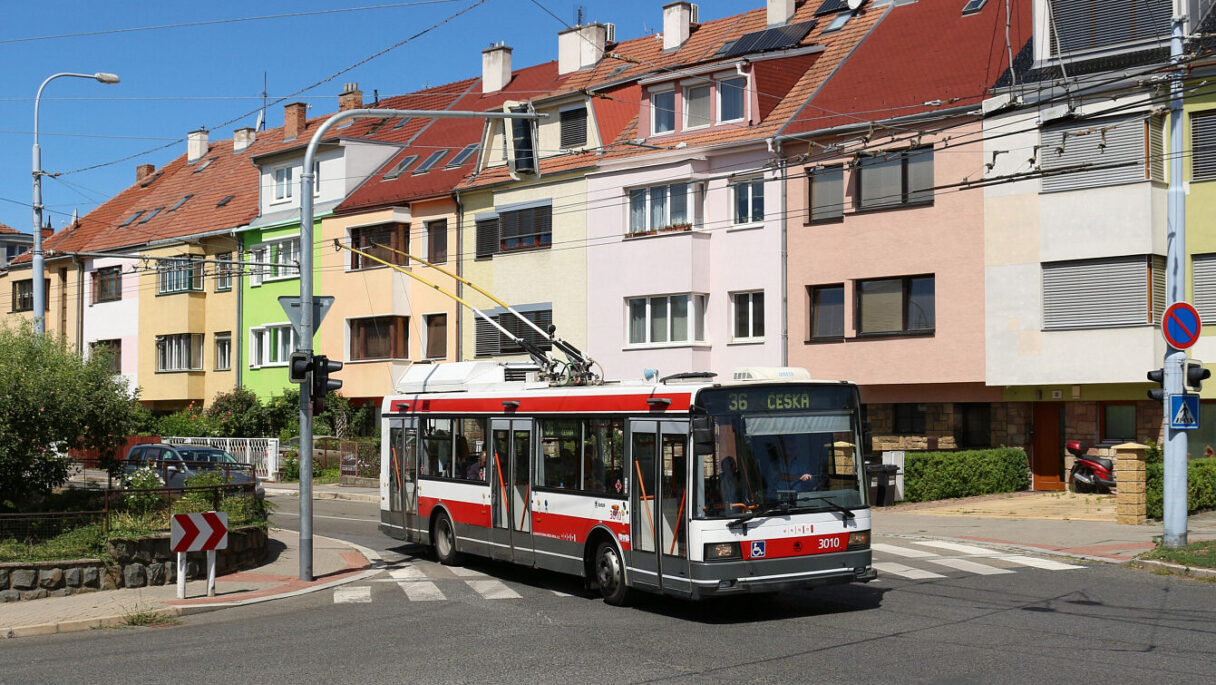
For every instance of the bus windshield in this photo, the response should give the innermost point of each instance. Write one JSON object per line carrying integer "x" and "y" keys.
{"x": 779, "y": 449}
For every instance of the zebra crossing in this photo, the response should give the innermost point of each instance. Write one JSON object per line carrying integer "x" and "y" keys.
{"x": 911, "y": 560}
{"x": 422, "y": 581}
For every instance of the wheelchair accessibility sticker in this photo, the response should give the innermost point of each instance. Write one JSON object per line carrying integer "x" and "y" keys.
{"x": 757, "y": 549}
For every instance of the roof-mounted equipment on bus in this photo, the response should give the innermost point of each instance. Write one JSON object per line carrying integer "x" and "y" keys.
{"x": 688, "y": 376}
{"x": 771, "y": 373}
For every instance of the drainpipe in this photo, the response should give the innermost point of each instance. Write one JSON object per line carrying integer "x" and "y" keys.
{"x": 80, "y": 305}
{"x": 459, "y": 272}
{"x": 238, "y": 343}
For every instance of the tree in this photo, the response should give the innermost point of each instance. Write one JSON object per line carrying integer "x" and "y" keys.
{"x": 239, "y": 414}
{"x": 283, "y": 414}
{"x": 52, "y": 401}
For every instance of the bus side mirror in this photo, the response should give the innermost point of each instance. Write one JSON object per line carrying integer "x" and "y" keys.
{"x": 702, "y": 435}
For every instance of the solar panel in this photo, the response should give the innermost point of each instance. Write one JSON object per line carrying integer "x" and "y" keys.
{"x": 831, "y": 6}
{"x": 777, "y": 38}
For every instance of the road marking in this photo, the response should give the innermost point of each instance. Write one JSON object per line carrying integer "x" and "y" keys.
{"x": 407, "y": 573}
{"x": 955, "y": 547}
{"x": 1047, "y": 564}
{"x": 359, "y": 594}
{"x": 421, "y": 591}
{"x": 333, "y": 518}
{"x": 465, "y": 572}
{"x": 493, "y": 589}
{"x": 901, "y": 551}
{"x": 905, "y": 571}
{"x": 559, "y": 593}
{"x": 970, "y": 566}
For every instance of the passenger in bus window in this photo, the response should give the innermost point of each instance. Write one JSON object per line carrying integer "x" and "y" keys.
{"x": 477, "y": 469}
{"x": 593, "y": 470}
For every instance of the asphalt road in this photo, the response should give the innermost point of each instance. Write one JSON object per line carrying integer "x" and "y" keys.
{"x": 496, "y": 623}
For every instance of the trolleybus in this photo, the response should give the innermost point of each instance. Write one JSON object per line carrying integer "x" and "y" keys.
{"x": 683, "y": 485}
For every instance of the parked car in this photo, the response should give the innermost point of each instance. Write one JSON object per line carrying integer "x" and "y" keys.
{"x": 178, "y": 463}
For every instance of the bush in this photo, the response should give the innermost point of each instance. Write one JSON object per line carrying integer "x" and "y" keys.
{"x": 942, "y": 475}
{"x": 239, "y": 414}
{"x": 1200, "y": 487}
{"x": 145, "y": 478}
{"x": 188, "y": 423}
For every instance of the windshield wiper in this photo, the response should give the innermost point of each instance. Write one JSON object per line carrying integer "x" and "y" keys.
{"x": 845, "y": 511}
{"x": 741, "y": 519}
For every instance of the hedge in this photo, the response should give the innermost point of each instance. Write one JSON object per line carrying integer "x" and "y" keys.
{"x": 1200, "y": 486}
{"x": 942, "y": 475}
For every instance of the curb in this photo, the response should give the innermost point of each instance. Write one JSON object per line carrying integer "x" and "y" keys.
{"x": 348, "y": 496}
{"x": 373, "y": 557}
{"x": 1014, "y": 546}
{"x": 1178, "y": 569}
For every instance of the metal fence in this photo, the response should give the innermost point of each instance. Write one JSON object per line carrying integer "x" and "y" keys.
{"x": 261, "y": 453}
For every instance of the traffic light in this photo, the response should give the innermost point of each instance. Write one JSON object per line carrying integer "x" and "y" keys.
{"x": 1157, "y": 376}
{"x": 322, "y": 384}
{"x": 301, "y": 364}
{"x": 1195, "y": 375}
{"x": 523, "y": 143}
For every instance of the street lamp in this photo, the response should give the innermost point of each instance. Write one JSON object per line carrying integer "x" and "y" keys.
{"x": 39, "y": 290}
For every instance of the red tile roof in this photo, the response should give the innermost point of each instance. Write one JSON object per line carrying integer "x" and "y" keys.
{"x": 6, "y": 229}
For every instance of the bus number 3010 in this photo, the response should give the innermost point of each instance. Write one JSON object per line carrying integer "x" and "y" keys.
{"x": 829, "y": 543}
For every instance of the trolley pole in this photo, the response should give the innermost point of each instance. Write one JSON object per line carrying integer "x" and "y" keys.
{"x": 1175, "y": 487}
{"x": 304, "y": 334}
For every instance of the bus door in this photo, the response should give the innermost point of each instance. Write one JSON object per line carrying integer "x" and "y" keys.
{"x": 403, "y": 476}
{"x": 659, "y": 473}
{"x": 509, "y": 464}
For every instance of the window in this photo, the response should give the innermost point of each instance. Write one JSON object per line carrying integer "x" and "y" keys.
{"x": 1101, "y": 152}
{"x": 895, "y": 305}
{"x": 747, "y": 316}
{"x": 749, "y": 201}
{"x": 379, "y": 337}
{"x": 225, "y": 200}
{"x": 659, "y": 207}
{"x": 463, "y": 156}
{"x": 436, "y": 335}
{"x": 107, "y": 284}
{"x": 1098, "y": 293}
{"x": 180, "y": 202}
{"x": 896, "y": 178}
{"x": 973, "y": 6}
{"x": 910, "y": 418}
{"x": 283, "y": 183}
{"x": 223, "y": 272}
{"x": 574, "y": 127}
{"x": 392, "y": 236}
{"x": 131, "y": 219}
{"x": 827, "y": 312}
{"x": 1203, "y": 146}
{"x": 437, "y": 453}
{"x": 525, "y": 228}
{"x": 179, "y": 276}
{"x": 582, "y": 454}
{"x": 431, "y": 161}
{"x": 1118, "y": 422}
{"x": 663, "y": 111}
{"x": 487, "y": 237}
{"x": 111, "y": 349}
{"x": 826, "y": 187}
{"x": 1080, "y": 25}
{"x": 181, "y": 352}
{"x": 731, "y": 99}
{"x": 975, "y": 431}
{"x": 283, "y": 257}
{"x": 666, "y": 319}
{"x": 491, "y": 341}
{"x": 151, "y": 214}
{"x": 23, "y": 295}
{"x": 437, "y": 241}
{"x": 271, "y": 345}
{"x": 1203, "y": 281}
{"x": 223, "y": 351}
{"x": 401, "y": 167}
{"x": 696, "y": 106}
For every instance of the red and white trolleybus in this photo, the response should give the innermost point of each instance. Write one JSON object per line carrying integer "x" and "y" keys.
{"x": 683, "y": 485}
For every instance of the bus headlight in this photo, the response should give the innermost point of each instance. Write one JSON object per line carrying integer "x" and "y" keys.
{"x": 859, "y": 539}
{"x": 715, "y": 551}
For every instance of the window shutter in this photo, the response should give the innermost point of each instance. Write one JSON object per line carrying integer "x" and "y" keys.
{"x": 1086, "y": 24}
{"x": 1094, "y": 143}
{"x": 574, "y": 128}
{"x": 1096, "y": 293}
{"x": 1204, "y": 283}
{"x": 1155, "y": 168}
{"x": 1203, "y": 146}
{"x": 487, "y": 339}
{"x": 487, "y": 240}
{"x": 1159, "y": 303}
{"x": 509, "y": 224}
{"x": 543, "y": 218}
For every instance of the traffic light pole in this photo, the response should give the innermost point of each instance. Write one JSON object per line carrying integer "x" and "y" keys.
{"x": 304, "y": 334}
{"x": 1174, "y": 494}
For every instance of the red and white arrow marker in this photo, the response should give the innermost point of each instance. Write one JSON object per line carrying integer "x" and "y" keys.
{"x": 198, "y": 532}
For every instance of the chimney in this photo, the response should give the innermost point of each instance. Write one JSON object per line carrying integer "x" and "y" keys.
{"x": 781, "y": 11}
{"x": 350, "y": 97}
{"x": 47, "y": 231}
{"x": 581, "y": 46}
{"x": 243, "y": 138}
{"x": 295, "y": 118}
{"x": 143, "y": 171}
{"x": 196, "y": 145}
{"x": 677, "y": 18}
{"x": 495, "y": 68}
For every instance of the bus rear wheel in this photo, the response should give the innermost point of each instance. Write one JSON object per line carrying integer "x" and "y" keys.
{"x": 445, "y": 541}
{"x": 610, "y": 574}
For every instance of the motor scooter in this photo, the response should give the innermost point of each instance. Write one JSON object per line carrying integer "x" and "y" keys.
{"x": 1089, "y": 473}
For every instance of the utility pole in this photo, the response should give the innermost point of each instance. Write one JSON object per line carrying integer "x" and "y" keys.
{"x": 1174, "y": 495}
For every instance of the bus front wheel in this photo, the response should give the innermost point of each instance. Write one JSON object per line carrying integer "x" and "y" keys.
{"x": 445, "y": 541}
{"x": 610, "y": 574}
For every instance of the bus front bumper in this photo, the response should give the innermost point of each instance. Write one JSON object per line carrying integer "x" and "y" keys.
{"x": 774, "y": 575}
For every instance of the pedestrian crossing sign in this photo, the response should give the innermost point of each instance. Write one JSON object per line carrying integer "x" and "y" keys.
{"x": 1184, "y": 412}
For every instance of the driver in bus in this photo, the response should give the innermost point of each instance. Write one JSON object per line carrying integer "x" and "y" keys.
{"x": 728, "y": 483}
{"x": 793, "y": 472}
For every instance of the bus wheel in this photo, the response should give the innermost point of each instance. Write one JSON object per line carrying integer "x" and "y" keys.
{"x": 610, "y": 574}
{"x": 445, "y": 541}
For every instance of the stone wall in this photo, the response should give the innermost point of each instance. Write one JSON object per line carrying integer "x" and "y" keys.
{"x": 136, "y": 563}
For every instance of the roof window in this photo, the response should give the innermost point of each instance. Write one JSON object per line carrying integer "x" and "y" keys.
{"x": 206, "y": 163}
{"x": 151, "y": 214}
{"x": 838, "y": 22}
{"x": 226, "y": 200}
{"x": 463, "y": 156}
{"x": 973, "y": 6}
{"x": 431, "y": 161}
{"x": 180, "y": 202}
{"x": 131, "y": 219}
{"x": 401, "y": 167}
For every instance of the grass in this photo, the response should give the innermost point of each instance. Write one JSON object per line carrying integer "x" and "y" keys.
{"x": 1194, "y": 555}
{"x": 148, "y": 618}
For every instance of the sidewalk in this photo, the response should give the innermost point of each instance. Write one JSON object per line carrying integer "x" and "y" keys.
{"x": 1080, "y": 526}
{"x": 335, "y": 562}
{"x": 328, "y": 491}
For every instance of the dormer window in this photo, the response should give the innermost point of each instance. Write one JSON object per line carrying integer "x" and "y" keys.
{"x": 574, "y": 127}
{"x": 731, "y": 98}
{"x": 663, "y": 111}
{"x": 696, "y": 106}
{"x": 699, "y": 102}
{"x": 283, "y": 183}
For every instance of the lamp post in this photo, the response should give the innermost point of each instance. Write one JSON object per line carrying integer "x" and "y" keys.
{"x": 36, "y": 253}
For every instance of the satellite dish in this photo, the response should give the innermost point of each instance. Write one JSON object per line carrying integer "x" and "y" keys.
{"x": 854, "y": 4}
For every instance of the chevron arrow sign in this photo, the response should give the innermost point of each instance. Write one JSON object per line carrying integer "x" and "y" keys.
{"x": 198, "y": 532}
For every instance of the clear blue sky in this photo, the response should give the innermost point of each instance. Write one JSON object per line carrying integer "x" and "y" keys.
{"x": 185, "y": 65}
